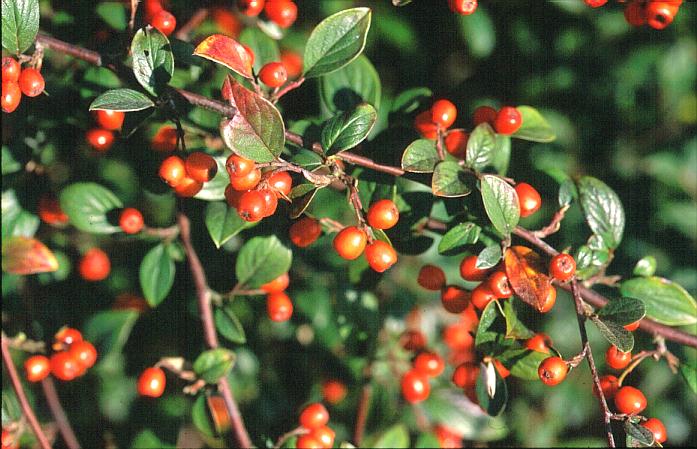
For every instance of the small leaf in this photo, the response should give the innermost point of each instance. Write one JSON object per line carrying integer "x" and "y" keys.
{"x": 665, "y": 301}
{"x": 223, "y": 222}
{"x": 301, "y": 195}
{"x": 156, "y": 274}
{"x": 502, "y": 154}
{"x": 449, "y": 180}
{"x": 420, "y": 156}
{"x": 638, "y": 432}
{"x": 501, "y": 203}
{"x": 459, "y": 236}
{"x": 346, "y": 88}
{"x": 261, "y": 260}
{"x": 229, "y": 326}
{"x": 603, "y": 210}
{"x": 645, "y": 267}
{"x": 534, "y": 126}
{"x": 410, "y": 100}
{"x": 23, "y": 255}
{"x": 689, "y": 373}
{"x": 201, "y": 417}
{"x": 20, "y": 24}
{"x": 489, "y": 257}
{"x": 256, "y": 131}
{"x": 227, "y": 51}
{"x": 153, "y": 62}
{"x": 481, "y": 147}
{"x": 125, "y": 100}
{"x": 87, "y": 204}
{"x": 623, "y": 311}
{"x": 396, "y": 436}
{"x": 527, "y": 275}
{"x": 213, "y": 364}
{"x": 493, "y": 406}
{"x": 485, "y": 333}
{"x": 615, "y": 333}
{"x": 567, "y": 192}
{"x": 347, "y": 130}
{"x": 336, "y": 41}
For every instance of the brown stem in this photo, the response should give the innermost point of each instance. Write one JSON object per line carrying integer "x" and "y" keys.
{"x": 362, "y": 413}
{"x": 288, "y": 435}
{"x": 59, "y": 415}
{"x": 204, "y": 305}
{"x": 196, "y": 19}
{"x": 21, "y": 395}
{"x": 289, "y": 87}
{"x": 581, "y": 317}
{"x": 553, "y": 225}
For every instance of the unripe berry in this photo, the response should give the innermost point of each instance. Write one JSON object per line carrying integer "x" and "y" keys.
{"x": 94, "y": 265}
{"x": 314, "y": 416}
{"x": 431, "y": 277}
{"x": 562, "y": 267}
{"x": 111, "y": 120}
{"x": 305, "y": 232}
{"x": 282, "y": 12}
{"x": 508, "y": 120}
{"x": 380, "y": 255}
{"x": 37, "y": 368}
{"x": 100, "y": 139}
{"x": 11, "y": 95}
{"x": 131, "y": 220}
{"x": 529, "y": 199}
{"x": 552, "y": 371}
{"x": 152, "y": 382}
{"x": 429, "y": 363}
{"x": 164, "y": 21}
{"x": 279, "y": 307}
{"x": 273, "y": 74}
{"x": 617, "y": 359}
{"x": 350, "y": 242}
{"x": 454, "y": 299}
{"x": 31, "y": 82}
{"x": 383, "y": 214}
{"x": 630, "y": 401}
{"x": 443, "y": 113}
{"x": 200, "y": 167}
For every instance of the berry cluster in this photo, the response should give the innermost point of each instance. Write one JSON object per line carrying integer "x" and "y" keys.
{"x": 463, "y": 7}
{"x": 657, "y": 14}
{"x": 157, "y": 16}
{"x": 314, "y": 419}
{"x": 17, "y": 82}
{"x": 72, "y": 358}
{"x": 101, "y": 138}
{"x": 278, "y": 304}
{"x": 187, "y": 177}
{"x": 282, "y": 12}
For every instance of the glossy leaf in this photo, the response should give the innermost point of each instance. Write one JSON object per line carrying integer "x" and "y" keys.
{"x": 665, "y": 301}
{"x": 223, "y": 222}
{"x": 534, "y": 126}
{"x": 481, "y": 147}
{"x": 523, "y": 363}
{"x": 153, "y": 62}
{"x": 346, "y": 88}
{"x": 689, "y": 373}
{"x": 201, "y": 418}
{"x": 213, "y": 364}
{"x": 449, "y": 180}
{"x": 603, "y": 210}
{"x": 20, "y": 24}
{"x": 24, "y": 255}
{"x": 638, "y": 432}
{"x": 615, "y": 333}
{"x": 449, "y": 407}
{"x": 485, "y": 332}
{"x": 514, "y": 327}
{"x": 411, "y": 99}
{"x": 645, "y": 267}
{"x": 229, "y": 326}
{"x": 420, "y": 156}
{"x": 87, "y": 204}
{"x": 227, "y": 51}
{"x": 301, "y": 196}
{"x": 125, "y": 100}
{"x": 527, "y": 275}
{"x": 261, "y": 260}
{"x": 256, "y": 131}
{"x": 489, "y": 257}
{"x": 501, "y": 203}
{"x": 623, "y": 310}
{"x": 156, "y": 274}
{"x": 347, "y": 130}
{"x": 336, "y": 41}
{"x": 458, "y": 237}
{"x": 502, "y": 154}
{"x": 493, "y": 405}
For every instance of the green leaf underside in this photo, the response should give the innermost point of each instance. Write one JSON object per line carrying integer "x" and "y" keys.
{"x": 347, "y": 130}
{"x": 449, "y": 180}
{"x": 638, "y": 432}
{"x": 125, "y": 100}
{"x": 489, "y": 257}
{"x": 666, "y": 302}
{"x": 87, "y": 204}
{"x": 420, "y": 156}
{"x": 501, "y": 203}
{"x": 615, "y": 333}
{"x": 603, "y": 210}
{"x": 157, "y": 272}
{"x": 534, "y": 127}
{"x": 262, "y": 259}
{"x": 229, "y": 326}
{"x": 20, "y": 24}
{"x": 153, "y": 62}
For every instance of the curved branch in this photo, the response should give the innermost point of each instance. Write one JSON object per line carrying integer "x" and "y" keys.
{"x": 59, "y": 415}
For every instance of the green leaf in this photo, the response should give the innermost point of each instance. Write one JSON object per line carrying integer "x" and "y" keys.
{"x": 645, "y": 267}
{"x": 449, "y": 180}
{"x": 223, "y": 222}
{"x": 347, "y": 130}
{"x": 502, "y": 154}
{"x": 9, "y": 163}
{"x": 156, "y": 274}
{"x": 229, "y": 326}
{"x": 257, "y": 131}
{"x": 264, "y": 48}
{"x": 493, "y": 406}
{"x": 458, "y": 237}
{"x": 478, "y": 32}
{"x": 489, "y": 257}
{"x": 638, "y": 432}
{"x": 20, "y": 23}
{"x": 213, "y": 364}
{"x": 201, "y": 418}
{"x": 396, "y": 436}
{"x": 262, "y": 259}
{"x": 501, "y": 203}
{"x": 110, "y": 329}
{"x": 420, "y": 156}
{"x": 514, "y": 327}
{"x": 534, "y": 127}
{"x": 485, "y": 333}
{"x": 623, "y": 311}
{"x": 523, "y": 363}
{"x": 336, "y": 41}
{"x": 153, "y": 62}
{"x": 615, "y": 333}
{"x": 301, "y": 195}
{"x": 15, "y": 220}
{"x": 567, "y": 192}
{"x": 346, "y": 88}
{"x": 426, "y": 440}
{"x": 87, "y": 204}
{"x": 410, "y": 100}
{"x": 665, "y": 301}
{"x": 125, "y": 100}
{"x": 481, "y": 147}
{"x": 603, "y": 210}
{"x": 114, "y": 14}
{"x": 689, "y": 373}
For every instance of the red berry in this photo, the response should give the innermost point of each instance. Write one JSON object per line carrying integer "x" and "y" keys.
{"x": 282, "y": 12}
{"x": 65, "y": 337}
{"x": 172, "y": 170}
{"x": 251, "y": 8}
{"x": 447, "y": 438}
{"x": 443, "y": 113}
{"x": 131, "y": 220}
{"x": 37, "y": 368}
{"x": 9, "y": 441}
{"x": 308, "y": 442}
{"x": 415, "y": 387}
{"x": 270, "y": 201}
{"x": 413, "y": 340}
{"x": 463, "y": 7}
{"x": 617, "y": 359}
{"x": 84, "y": 352}
{"x": 277, "y": 285}
{"x": 350, "y": 242}
{"x": 164, "y": 21}
{"x": 293, "y": 63}
{"x": 562, "y": 267}
{"x": 469, "y": 270}
{"x": 457, "y": 337}
{"x": 631, "y": 327}
{"x": 31, "y": 82}
{"x": 100, "y": 139}
{"x": 660, "y": 14}
{"x": 152, "y": 7}
{"x": 552, "y": 371}
{"x": 11, "y": 95}
{"x": 456, "y": 143}
{"x": 226, "y": 21}
{"x": 65, "y": 366}
{"x": 499, "y": 285}
{"x": 279, "y": 307}
{"x": 429, "y": 363}
{"x": 595, "y": 3}
{"x": 549, "y": 301}
{"x": 454, "y": 299}
{"x": 482, "y": 296}
{"x": 246, "y": 182}
{"x": 50, "y": 210}
{"x": 188, "y": 187}
{"x": 609, "y": 386}
{"x": 657, "y": 429}
{"x": 630, "y": 401}
{"x": 111, "y": 120}
{"x": 237, "y": 166}
{"x": 281, "y": 183}
{"x": 94, "y": 265}
{"x": 273, "y": 74}
{"x": 484, "y": 114}
{"x": 333, "y": 391}
{"x": 165, "y": 139}
{"x": 10, "y": 70}
{"x": 469, "y": 317}
{"x": 508, "y": 120}
{"x": 305, "y": 232}
{"x": 466, "y": 374}
{"x": 152, "y": 382}
{"x": 529, "y": 199}
{"x": 314, "y": 416}
{"x": 431, "y": 277}
{"x": 252, "y": 206}
{"x": 380, "y": 256}
{"x": 425, "y": 126}
{"x": 324, "y": 435}
{"x": 383, "y": 214}
{"x": 539, "y": 343}
{"x": 200, "y": 167}
{"x": 635, "y": 13}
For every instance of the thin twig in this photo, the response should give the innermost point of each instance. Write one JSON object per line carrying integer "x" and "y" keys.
{"x": 196, "y": 19}
{"x": 289, "y": 87}
{"x": 288, "y": 435}
{"x": 59, "y": 415}
{"x": 553, "y": 225}
{"x": 362, "y": 413}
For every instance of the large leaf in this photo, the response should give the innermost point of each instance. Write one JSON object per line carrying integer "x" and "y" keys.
{"x": 534, "y": 126}
{"x": 264, "y": 48}
{"x": 458, "y": 237}
{"x": 623, "y": 311}
{"x": 665, "y": 301}
{"x": 125, "y": 100}
{"x": 24, "y": 255}
{"x": 153, "y": 62}
{"x": 336, "y": 41}
{"x": 449, "y": 180}
{"x": 348, "y": 129}
{"x": 481, "y": 147}
{"x": 256, "y": 131}
{"x": 615, "y": 333}
{"x": 501, "y": 203}
{"x": 213, "y": 364}
{"x": 346, "y": 88}
{"x": 603, "y": 210}
{"x": 227, "y": 51}
{"x": 527, "y": 275}
{"x": 87, "y": 204}
{"x": 261, "y": 260}
{"x": 420, "y": 156}
{"x": 20, "y": 23}
{"x": 223, "y": 222}
{"x": 156, "y": 274}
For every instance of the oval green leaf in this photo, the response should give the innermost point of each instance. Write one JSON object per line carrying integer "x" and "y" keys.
{"x": 623, "y": 310}
{"x": 20, "y": 24}
{"x": 449, "y": 180}
{"x": 261, "y": 260}
{"x": 489, "y": 257}
{"x": 666, "y": 302}
{"x": 645, "y": 267}
{"x": 125, "y": 100}
{"x": 213, "y": 364}
{"x": 615, "y": 333}
{"x": 534, "y": 127}
{"x": 153, "y": 62}
{"x": 346, "y": 88}
{"x": 410, "y": 100}
{"x": 87, "y": 204}
{"x": 156, "y": 274}
{"x": 347, "y": 130}
{"x": 458, "y": 237}
{"x": 481, "y": 147}
{"x": 229, "y": 326}
{"x": 501, "y": 203}
{"x": 420, "y": 156}
{"x": 223, "y": 222}
{"x": 603, "y": 210}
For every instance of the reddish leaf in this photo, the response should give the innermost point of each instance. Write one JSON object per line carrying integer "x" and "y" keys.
{"x": 226, "y": 51}
{"x": 24, "y": 255}
{"x": 526, "y": 274}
